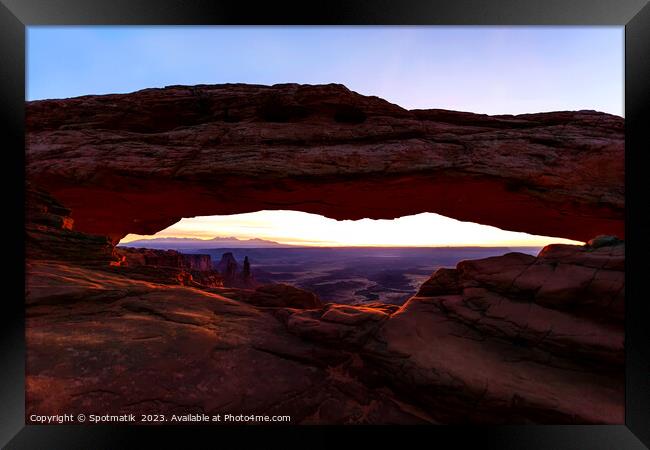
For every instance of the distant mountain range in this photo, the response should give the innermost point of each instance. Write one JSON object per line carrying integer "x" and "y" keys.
{"x": 173, "y": 243}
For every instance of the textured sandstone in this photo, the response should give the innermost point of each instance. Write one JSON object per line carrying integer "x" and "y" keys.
{"x": 50, "y": 235}
{"x": 164, "y": 258}
{"x": 568, "y": 277}
{"x": 474, "y": 346}
{"x": 167, "y": 266}
{"x": 233, "y": 274}
{"x": 101, "y": 343}
{"x": 527, "y": 338}
{"x": 489, "y": 342}
{"x": 284, "y": 295}
{"x": 137, "y": 163}
{"x": 509, "y": 339}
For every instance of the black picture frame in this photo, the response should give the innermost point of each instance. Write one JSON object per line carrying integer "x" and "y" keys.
{"x": 15, "y": 15}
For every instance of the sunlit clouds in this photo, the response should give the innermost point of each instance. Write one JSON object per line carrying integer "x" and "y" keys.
{"x": 299, "y": 228}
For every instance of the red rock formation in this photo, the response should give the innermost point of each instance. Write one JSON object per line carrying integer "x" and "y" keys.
{"x": 137, "y": 163}
{"x": 246, "y": 270}
{"x": 584, "y": 280}
{"x": 103, "y": 343}
{"x": 232, "y": 275}
{"x": 491, "y": 341}
{"x": 50, "y": 235}
{"x": 509, "y": 339}
{"x": 164, "y": 258}
{"x": 198, "y": 262}
{"x": 164, "y": 266}
{"x": 228, "y": 268}
{"x": 284, "y": 295}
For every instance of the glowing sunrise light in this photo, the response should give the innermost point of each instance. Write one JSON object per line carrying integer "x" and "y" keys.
{"x": 304, "y": 229}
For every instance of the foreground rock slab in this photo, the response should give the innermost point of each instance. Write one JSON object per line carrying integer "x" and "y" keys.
{"x": 101, "y": 343}
{"x": 509, "y": 339}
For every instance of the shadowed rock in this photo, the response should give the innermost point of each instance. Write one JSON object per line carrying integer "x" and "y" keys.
{"x": 50, "y": 235}
{"x": 498, "y": 346}
{"x": 167, "y": 266}
{"x": 284, "y": 295}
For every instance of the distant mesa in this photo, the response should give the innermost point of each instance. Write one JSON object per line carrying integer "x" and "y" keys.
{"x": 228, "y": 266}
{"x": 174, "y": 243}
{"x": 167, "y": 266}
{"x": 232, "y": 274}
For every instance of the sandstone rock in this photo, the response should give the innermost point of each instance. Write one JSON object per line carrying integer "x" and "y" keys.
{"x": 488, "y": 351}
{"x": 284, "y": 295}
{"x": 164, "y": 258}
{"x": 569, "y": 277}
{"x": 50, "y": 235}
{"x": 228, "y": 268}
{"x": 167, "y": 266}
{"x": 352, "y": 315}
{"x": 337, "y": 324}
{"x": 387, "y": 308}
{"x": 444, "y": 281}
{"x": 103, "y": 343}
{"x": 501, "y": 362}
{"x": 603, "y": 241}
{"x": 533, "y": 338}
{"x": 202, "y": 263}
{"x": 233, "y": 275}
{"x": 509, "y": 339}
{"x": 139, "y": 162}
{"x": 246, "y": 269}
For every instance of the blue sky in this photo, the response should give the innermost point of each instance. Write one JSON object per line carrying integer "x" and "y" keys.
{"x": 493, "y": 70}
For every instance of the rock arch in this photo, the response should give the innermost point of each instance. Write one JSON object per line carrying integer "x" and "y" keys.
{"x": 138, "y": 162}
{"x": 508, "y": 339}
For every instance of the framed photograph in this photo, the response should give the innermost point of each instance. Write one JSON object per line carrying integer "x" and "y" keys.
{"x": 414, "y": 221}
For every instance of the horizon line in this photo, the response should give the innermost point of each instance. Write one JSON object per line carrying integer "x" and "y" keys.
{"x": 126, "y": 244}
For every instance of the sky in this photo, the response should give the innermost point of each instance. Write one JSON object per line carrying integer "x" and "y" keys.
{"x": 491, "y": 70}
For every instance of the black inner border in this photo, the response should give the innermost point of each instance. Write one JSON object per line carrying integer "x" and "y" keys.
{"x": 15, "y": 15}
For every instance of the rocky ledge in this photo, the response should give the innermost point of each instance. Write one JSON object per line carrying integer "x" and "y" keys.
{"x": 509, "y": 339}
{"x": 139, "y": 162}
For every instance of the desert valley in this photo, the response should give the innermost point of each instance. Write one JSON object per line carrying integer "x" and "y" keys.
{"x": 350, "y": 275}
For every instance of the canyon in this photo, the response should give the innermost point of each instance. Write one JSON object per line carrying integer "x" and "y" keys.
{"x": 515, "y": 338}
